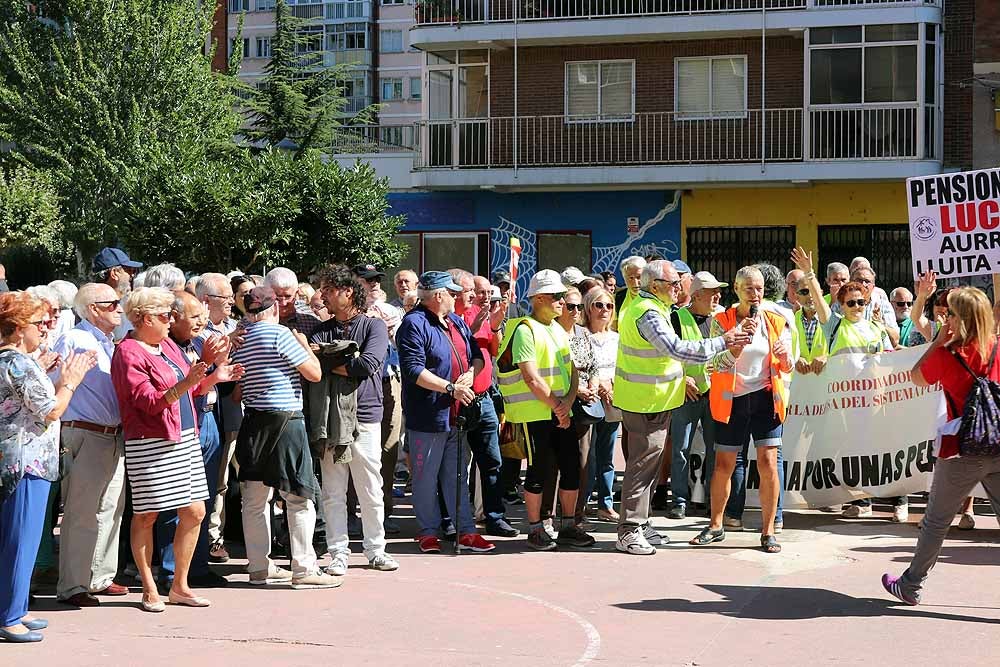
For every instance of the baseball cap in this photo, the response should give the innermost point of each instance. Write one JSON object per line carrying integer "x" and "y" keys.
{"x": 572, "y": 276}
{"x": 681, "y": 266}
{"x": 258, "y": 299}
{"x": 545, "y": 281}
{"x": 367, "y": 271}
{"x": 108, "y": 258}
{"x": 705, "y": 280}
{"x": 501, "y": 276}
{"x": 431, "y": 280}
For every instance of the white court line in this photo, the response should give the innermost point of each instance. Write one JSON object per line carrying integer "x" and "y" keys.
{"x": 593, "y": 636}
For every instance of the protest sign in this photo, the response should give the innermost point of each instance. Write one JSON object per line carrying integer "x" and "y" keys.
{"x": 955, "y": 223}
{"x": 861, "y": 428}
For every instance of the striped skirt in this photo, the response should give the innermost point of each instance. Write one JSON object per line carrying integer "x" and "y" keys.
{"x": 164, "y": 474}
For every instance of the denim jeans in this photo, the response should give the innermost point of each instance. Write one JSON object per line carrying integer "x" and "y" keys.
{"x": 484, "y": 442}
{"x": 684, "y": 421}
{"x": 166, "y": 522}
{"x": 738, "y": 495}
{"x": 600, "y": 464}
{"x": 435, "y": 461}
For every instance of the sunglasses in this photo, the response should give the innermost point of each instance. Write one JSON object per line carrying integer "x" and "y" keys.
{"x": 855, "y": 303}
{"x": 802, "y": 292}
{"x": 672, "y": 283}
{"x": 573, "y": 307}
{"x": 40, "y": 324}
{"x": 106, "y": 305}
{"x": 558, "y": 296}
{"x": 903, "y": 304}
{"x": 222, "y": 296}
{"x": 600, "y": 305}
{"x": 164, "y": 316}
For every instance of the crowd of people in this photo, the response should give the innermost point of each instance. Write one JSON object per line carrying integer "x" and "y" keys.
{"x": 133, "y": 398}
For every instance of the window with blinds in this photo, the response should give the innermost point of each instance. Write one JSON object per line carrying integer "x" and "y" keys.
{"x": 600, "y": 90}
{"x": 710, "y": 87}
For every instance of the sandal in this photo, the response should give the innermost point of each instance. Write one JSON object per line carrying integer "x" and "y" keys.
{"x": 769, "y": 544}
{"x": 707, "y": 536}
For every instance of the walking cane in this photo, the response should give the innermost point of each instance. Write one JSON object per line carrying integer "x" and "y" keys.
{"x": 460, "y": 423}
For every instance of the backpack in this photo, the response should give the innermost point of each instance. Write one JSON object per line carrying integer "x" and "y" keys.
{"x": 979, "y": 430}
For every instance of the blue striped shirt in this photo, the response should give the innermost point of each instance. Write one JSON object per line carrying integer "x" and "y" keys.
{"x": 270, "y": 354}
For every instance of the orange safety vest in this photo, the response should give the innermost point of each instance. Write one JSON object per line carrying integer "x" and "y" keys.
{"x": 720, "y": 396}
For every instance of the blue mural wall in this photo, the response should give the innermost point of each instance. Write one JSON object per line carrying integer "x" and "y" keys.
{"x": 604, "y": 214}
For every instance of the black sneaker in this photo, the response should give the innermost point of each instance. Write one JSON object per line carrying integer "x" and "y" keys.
{"x": 677, "y": 512}
{"x": 661, "y": 502}
{"x": 574, "y": 537}
{"x": 539, "y": 540}
{"x": 501, "y": 529}
{"x": 513, "y": 498}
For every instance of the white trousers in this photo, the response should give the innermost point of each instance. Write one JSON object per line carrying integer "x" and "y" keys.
{"x": 365, "y": 467}
{"x": 300, "y": 513}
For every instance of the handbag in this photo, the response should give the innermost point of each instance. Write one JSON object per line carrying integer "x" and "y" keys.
{"x": 472, "y": 413}
{"x": 588, "y": 414}
{"x": 512, "y": 444}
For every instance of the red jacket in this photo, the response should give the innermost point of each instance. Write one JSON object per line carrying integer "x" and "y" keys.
{"x": 141, "y": 379}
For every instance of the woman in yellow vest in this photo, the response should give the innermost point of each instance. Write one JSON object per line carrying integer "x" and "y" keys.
{"x": 810, "y": 318}
{"x": 748, "y": 398}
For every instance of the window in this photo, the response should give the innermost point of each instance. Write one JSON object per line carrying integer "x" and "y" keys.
{"x": 714, "y": 87}
{"x": 236, "y": 6}
{"x": 864, "y": 64}
{"x": 357, "y": 10}
{"x": 246, "y": 47}
{"x": 264, "y": 5}
{"x": 311, "y": 40}
{"x": 263, "y": 47}
{"x": 556, "y": 251}
{"x": 392, "y": 89}
{"x": 415, "y": 88}
{"x": 393, "y": 2}
{"x": 391, "y": 41}
{"x": 602, "y": 90}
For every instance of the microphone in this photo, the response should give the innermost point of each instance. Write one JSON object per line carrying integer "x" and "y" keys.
{"x": 753, "y": 311}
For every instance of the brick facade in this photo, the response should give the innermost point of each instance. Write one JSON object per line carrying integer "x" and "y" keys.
{"x": 220, "y": 38}
{"x": 958, "y": 58}
{"x": 987, "y": 31}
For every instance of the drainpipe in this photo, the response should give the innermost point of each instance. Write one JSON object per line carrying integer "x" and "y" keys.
{"x": 763, "y": 80}
{"x": 516, "y": 11}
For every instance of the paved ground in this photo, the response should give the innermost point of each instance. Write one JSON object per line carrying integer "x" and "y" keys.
{"x": 819, "y": 602}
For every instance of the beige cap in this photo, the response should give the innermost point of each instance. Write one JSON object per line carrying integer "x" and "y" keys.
{"x": 705, "y": 280}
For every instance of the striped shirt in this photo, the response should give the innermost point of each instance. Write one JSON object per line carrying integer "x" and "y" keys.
{"x": 270, "y": 354}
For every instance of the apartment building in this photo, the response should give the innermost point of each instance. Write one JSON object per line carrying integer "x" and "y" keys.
{"x": 985, "y": 84}
{"x": 399, "y": 65}
{"x": 720, "y": 131}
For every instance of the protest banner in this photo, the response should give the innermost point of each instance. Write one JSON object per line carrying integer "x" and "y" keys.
{"x": 955, "y": 223}
{"x": 861, "y": 428}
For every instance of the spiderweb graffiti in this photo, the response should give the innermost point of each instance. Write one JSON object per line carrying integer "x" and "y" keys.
{"x": 500, "y": 252}
{"x": 608, "y": 258}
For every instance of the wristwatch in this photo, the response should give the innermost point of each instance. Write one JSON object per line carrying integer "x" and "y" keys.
{"x": 450, "y": 389}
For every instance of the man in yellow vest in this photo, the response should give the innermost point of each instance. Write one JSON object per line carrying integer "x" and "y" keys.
{"x": 649, "y": 384}
{"x": 693, "y": 323}
{"x": 538, "y": 382}
{"x": 810, "y": 318}
{"x": 631, "y": 268}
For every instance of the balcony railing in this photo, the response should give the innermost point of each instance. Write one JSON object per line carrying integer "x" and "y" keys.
{"x": 884, "y": 132}
{"x": 375, "y": 139}
{"x": 430, "y": 12}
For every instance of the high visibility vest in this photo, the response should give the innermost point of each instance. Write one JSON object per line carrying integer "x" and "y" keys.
{"x": 552, "y": 356}
{"x": 720, "y": 397}
{"x": 646, "y": 381}
{"x": 690, "y": 331}
{"x": 818, "y": 347}
{"x": 851, "y": 338}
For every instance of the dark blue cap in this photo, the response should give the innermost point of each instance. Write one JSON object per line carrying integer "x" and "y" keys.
{"x": 109, "y": 258}
{"x": 439, "y": 280}
{"x": 681, "y": 266}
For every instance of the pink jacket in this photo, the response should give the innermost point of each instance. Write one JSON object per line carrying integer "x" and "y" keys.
{"x": 141, "y": 379}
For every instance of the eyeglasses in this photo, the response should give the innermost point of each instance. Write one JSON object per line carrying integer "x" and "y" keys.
{"x": 855, "y": 303}
{"x": 222, "y": 296}
{"x": 40, "y": 324}
{"x": 106, "y": 305}
{"x": 600, "y": 305}
{"x": 903, "y": 304}
{"x": 672, "y": 283}
{"x": 558, "y": 296}
{"x": 802, "y": 292}
{"x": 573, "y": 307}
{"x": 865, "y": 281}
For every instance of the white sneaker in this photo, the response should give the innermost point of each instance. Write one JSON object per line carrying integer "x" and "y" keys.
{"x": 900, "y": 513}
{"x": 550, "y": 529}
{"x": 338, "y": 567}
{"x": 274, "y": 575}
{"x": 857, "y": 511}
{"x": 730, "y": 523}
{"x": 316, "y": 580}
{"x": 967, "y": 522}
{"x": 654, "y": 538}
{"x": 635, "y": 543}
{"x": 383, "y": 562}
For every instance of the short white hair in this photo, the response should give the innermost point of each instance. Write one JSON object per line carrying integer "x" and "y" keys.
{"x": 836, "y": 267}
{"x": 45, "y": 293}
{"x": 634, "y": 260}
{"x": 860, "y": 261}
{"x": 139, "y": 280}
{"x": 655, "y": 271}
{"x": 281, "y": 278}
{"x": 892, "y": 295}
{"x": 746, "y": 273}
{"x": 165, "y": 275}
{"x": 86, "y": 295}
{"x": 147, "y": 300}
{"x": 207, "y": 283}
{"x": 66, "y": 292}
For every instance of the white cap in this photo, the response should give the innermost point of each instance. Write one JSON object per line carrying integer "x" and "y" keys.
{"x": 572, "y": 276}
{"x": 705, "y": 280}
{"x": 545, "y": 281}
{"x": 495, "y": 293}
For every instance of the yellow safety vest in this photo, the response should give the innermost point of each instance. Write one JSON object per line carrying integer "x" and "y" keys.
{"x": 690, "y": 331}
{"x": 818, "y": 347}
{"x": 646, "y": 381}
{"x": 850, "y": 338}
{"x": 552, "y": 355}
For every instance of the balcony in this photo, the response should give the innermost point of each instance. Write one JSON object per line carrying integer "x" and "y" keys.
{"x": 466, "y": 23}
{"x": 368, "y": 139}
{"x": 791, "y": 144}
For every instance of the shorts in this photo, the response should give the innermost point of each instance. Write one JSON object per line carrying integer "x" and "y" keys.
{"x": 752, "y": 416}
{"x": 549, "y": 447}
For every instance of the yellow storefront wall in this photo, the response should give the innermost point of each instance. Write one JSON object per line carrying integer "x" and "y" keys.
{"x": 804, "y": 207}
